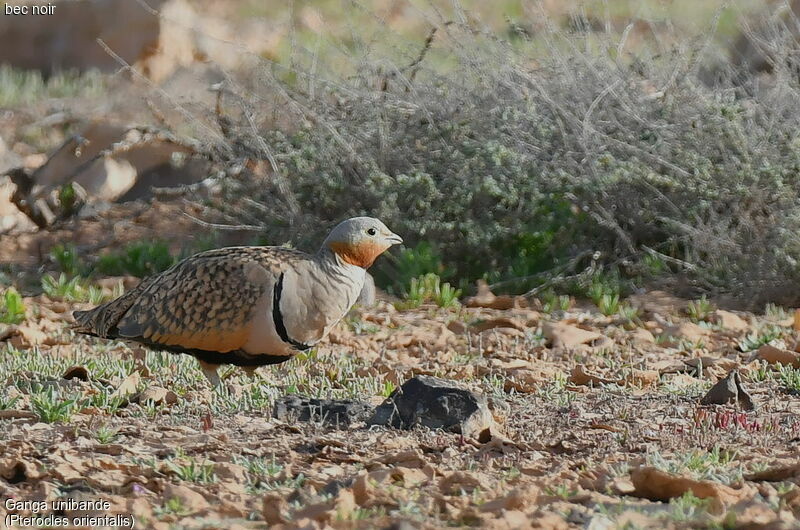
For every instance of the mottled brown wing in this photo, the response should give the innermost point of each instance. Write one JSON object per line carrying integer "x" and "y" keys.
{"x": 102, "y": 320}
{"x": 206, "y": 302}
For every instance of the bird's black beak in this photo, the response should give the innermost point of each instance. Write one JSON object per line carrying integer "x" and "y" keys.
{"x": 394, "y": 239}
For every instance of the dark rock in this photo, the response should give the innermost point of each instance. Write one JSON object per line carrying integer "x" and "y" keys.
{"x": 6, "y": 331}
{"x": 331, "y": 412}
{"x": 436, "y": 404}
{"x": 729, "y": 390}
{"x": 401, "y": 525}
{"x": 335, "y": 486}
{"x": 16, "y": 473}
{"x": 77, "y": 372}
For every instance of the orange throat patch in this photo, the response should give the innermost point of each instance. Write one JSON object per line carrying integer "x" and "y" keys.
{"x": 360, "y": 254}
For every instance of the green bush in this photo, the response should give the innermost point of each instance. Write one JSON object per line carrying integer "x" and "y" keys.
{"x": 21, "y": 87}
{"x": 12, "y": 308}
{"x": 67, "y": 259}
{"x": 51, "y": 407}
{"x": 429, "y": 288}
{"x": 75, "y": 289}
{"x": 141, "y": 259}
{"x": 413, "y": 263}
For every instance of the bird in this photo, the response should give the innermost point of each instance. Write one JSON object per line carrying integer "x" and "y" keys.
{"x": 247, "y": 306}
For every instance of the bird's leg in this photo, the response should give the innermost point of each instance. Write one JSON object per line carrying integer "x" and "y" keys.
{"x": 250, "y": 371}
{"x": 210, "y": 371}
{"x": 139, "y": 354}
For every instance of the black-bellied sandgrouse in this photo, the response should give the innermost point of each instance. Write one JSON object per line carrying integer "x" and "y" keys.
{"x": 246, "y": 306}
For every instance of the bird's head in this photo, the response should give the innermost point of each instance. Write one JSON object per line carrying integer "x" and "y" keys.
{"x": 360, "y": 240}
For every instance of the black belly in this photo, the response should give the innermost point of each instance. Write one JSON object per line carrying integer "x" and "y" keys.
{"x": 235, "y": 357}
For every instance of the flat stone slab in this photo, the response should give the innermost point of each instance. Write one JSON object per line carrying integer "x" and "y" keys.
{"x": 330, "y": 412}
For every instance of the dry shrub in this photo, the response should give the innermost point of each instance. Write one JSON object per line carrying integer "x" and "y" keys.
{"x": 530, "y": 155}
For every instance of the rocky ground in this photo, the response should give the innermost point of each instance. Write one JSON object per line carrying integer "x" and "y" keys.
{"x": 651, "y": 412}
{"x": 596, "y": 421}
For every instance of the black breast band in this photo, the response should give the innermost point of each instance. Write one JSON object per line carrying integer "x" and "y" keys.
{"x": 277, "y": 318}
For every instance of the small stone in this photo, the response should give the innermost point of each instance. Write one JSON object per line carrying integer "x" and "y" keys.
{"x": 226, "y": 471}
{"x": 158, "y": 395}
{"x": 687, "y": 331}
{"x": 336, "y": 485}
{"x": 563, "y": 335}
{"x": 437, "y": 404}
{"x": 26, "y": 336}
{"x": 459, "y": 482}
{"x": 580, "y": 376}
{"x": 190, "y": 500}
{"x": 774, "y": 355}
{"x": 6, "y": 330}
{"x": 657, "y": 303}
{"x": 642, "y": 335}
{"x": 401, "y": 525}
{"x": 487, "y": 299}
{"x": 275, "y": 509}
{"x": 729, "y": 320}
{"x": 513, "y": 500}
{"x": 727, "y": 390}
{"x": 500, "y": 322}
{"x": 457, "y": 327}
{"x": 654, "y": 484}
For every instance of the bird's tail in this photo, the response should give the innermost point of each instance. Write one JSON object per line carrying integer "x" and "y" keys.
{"x": 102, "y": 320}
{"x": 85, "y": 321}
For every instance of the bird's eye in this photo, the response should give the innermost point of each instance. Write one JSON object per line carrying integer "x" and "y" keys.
{"x": 372, "y": 231}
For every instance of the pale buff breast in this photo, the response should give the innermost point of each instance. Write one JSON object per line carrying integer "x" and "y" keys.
{"x": 315, "y": 296}
{"x": 264, "y": 339}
